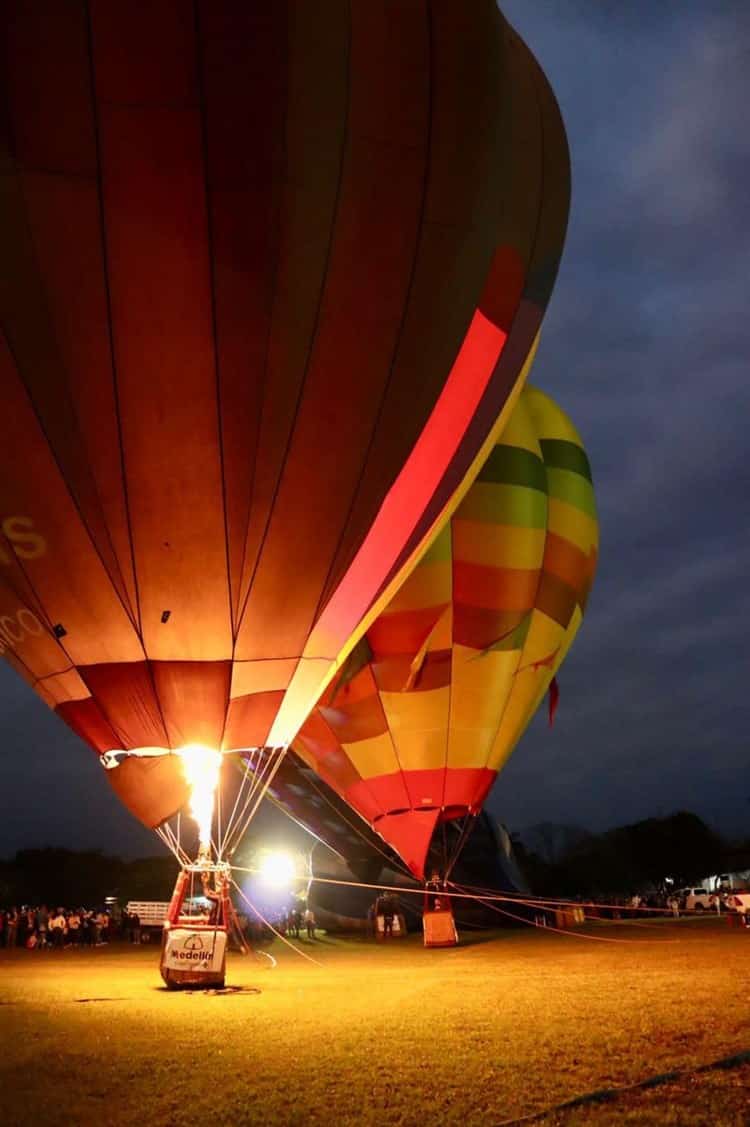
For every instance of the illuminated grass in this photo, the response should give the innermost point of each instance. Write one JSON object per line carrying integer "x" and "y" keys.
{"x": 520, "y": 1022}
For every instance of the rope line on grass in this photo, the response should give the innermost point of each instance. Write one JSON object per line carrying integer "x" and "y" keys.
{"x": 606, "y": 1095}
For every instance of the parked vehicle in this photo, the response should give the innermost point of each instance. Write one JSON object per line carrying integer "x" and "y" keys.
{"x": 739, "y": 902}
{"x": 151, "y": 915}
{"x": 695, "y": 899}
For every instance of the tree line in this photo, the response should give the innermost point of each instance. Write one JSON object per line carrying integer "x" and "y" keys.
{"x": 566, "y": 861}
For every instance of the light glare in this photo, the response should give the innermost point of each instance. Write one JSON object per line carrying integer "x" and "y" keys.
{"x": 277, "y": 869}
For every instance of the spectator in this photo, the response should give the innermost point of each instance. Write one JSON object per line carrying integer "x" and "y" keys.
{"x": 11, "y": 928}
{"x": 310, "y": 923}
{"x": 135, "y": 928}
{"x": 43, "y": 925}
{"x": 74, "y": 928}
{"x": 102, "y": 928}
{"x": 58, "y": 927}
{"x": 388, "y": 910}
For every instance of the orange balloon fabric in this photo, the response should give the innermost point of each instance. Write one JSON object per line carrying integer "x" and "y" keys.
{"x": 270, "y": 273}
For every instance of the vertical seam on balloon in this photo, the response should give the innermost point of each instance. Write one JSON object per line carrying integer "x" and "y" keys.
{"x": 47, "y": 676}
{"x": 532, "y": 258}
{"x": 110, "y": 333}
{"x": 73, "y": 501}
{"x": 266, "y": 352}
{"x": 54, "y": 456}
{"x": 138, "y": 627}
{"x": 314, "y": 334}
{"x": 337, "y": 742}
{"x": 9, "y": 584}
{"x": 388, "y": 729}
{"x": 514, "y": 41}
{"x": 453, "y": 660}
{"x": 407, "y": 301}
{"x": 214, "y": 332}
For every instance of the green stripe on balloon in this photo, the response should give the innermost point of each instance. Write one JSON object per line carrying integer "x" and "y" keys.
{"x": 563, "y": 455}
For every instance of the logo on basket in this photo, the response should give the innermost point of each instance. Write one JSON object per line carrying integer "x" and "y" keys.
{"x": 192, "y": 949}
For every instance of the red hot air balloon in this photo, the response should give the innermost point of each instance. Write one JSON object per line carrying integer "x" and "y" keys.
{"x": 270, "y": 273}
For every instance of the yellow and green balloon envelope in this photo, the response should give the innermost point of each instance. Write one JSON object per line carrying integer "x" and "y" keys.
{"x": 435, "y": 697}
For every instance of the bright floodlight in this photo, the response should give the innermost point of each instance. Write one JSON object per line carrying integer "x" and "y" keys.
{"x": 277, "y": 869}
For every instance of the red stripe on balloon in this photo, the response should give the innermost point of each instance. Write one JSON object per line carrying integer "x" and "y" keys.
{"x": 413, "y": 488}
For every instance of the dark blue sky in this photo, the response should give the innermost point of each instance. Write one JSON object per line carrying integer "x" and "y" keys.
{"x": 646, "y": 344}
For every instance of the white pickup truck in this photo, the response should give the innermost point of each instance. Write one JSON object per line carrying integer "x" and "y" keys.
{"x": 151, "y": 915}
{"x": 739, "y": 902}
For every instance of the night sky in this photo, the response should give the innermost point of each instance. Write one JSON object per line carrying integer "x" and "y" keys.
{"x": 646, "y": 345}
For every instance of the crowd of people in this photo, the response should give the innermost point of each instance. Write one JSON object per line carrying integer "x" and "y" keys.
{"x": 291, "y": 923}
{"x": 55, "y": 927}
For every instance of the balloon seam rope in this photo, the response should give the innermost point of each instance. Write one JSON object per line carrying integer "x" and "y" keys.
{"x": 259, "y": 770}
{"x": 241, "y": 827}
{"x": 252, "y": 780}
{"x": 243, "y": 819}
{"x": 240, "y": 789}
{"x": 266, "y": 785}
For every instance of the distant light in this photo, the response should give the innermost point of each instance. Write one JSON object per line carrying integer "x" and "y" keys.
{"x": 277, "y": 869}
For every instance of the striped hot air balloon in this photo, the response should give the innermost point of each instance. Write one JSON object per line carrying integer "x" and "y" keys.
{"x": 439, "y": 691}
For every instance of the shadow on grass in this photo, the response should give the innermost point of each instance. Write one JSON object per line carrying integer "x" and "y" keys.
{"x": 211, "y": 991}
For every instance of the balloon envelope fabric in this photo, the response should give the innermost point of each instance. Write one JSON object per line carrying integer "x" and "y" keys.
{"x": 270, "y": 274}
{"x": 437, "y": 694}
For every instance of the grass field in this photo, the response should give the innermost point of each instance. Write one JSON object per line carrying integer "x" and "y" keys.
{"x": 513, "y": 1025}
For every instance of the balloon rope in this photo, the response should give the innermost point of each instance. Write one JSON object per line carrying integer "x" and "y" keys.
{"x": 278, "y": 934}
{"x": 247, "y": 771}
{"x": 260, "y": 791}
{"x": 560, "y": 930}
{"x": 557, "y": 930}
{"x": 161, "y": 831}
{"x": 177, "y": 849}
{"x": 487, "y": 901}
{"x": 560, "y": 901}
{"x": 260, "y": 786}
{"x": 250, "y": 785}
